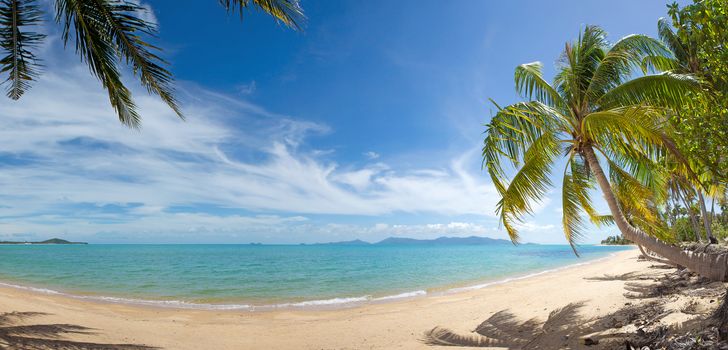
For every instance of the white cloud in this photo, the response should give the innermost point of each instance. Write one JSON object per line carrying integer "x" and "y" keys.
{"x": 371, "y": 155}
{"x": 63, "y": 147}
{"x": 247, "y": 88}
{"x": 147, "y": 14}
{"x": 533, "y": 227}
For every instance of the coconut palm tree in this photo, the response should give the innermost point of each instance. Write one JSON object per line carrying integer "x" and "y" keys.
{"x": 596, "y": 116}
{"x": 104, "y": 34}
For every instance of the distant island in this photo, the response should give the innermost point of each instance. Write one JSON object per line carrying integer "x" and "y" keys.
{"x": 472, "y": 240}
{"x": 48, "y": 241}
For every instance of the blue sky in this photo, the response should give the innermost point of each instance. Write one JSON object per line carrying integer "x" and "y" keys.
{"x": 367, "y": 124}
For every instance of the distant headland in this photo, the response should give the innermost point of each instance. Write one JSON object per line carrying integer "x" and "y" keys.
{"x": 472, "y": 240}
{"x": 48, "y": 241}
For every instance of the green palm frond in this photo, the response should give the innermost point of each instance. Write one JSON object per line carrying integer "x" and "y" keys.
{"x": 636, "y": 138}
{"x": 635, "y": 123}
{"x": 632, "y": 139}
{"x": 20, "y": 63}
{"x": 638, "y": 201}
{"x": 661, "y": 90}
{"x": 512, "y": 131}
{"x": 644, "y": 169}
{"x": 572, "y": 195}
{"x": 124, "y": 28}
{"x": 578, "y": 63}
{"x": 577, "y": 184}
{"x": 87, "y": 21}
{"x": 289, "y": 12}
{"x": 668, "y": 36}
{"x": 530, "y": 182}
{"x": 621, "y": 60}
{"x": 583, "y": 184}
{"x": 107, "y": 32}
{"x": 530, "y": 84}
{"x": 656, "y": 64}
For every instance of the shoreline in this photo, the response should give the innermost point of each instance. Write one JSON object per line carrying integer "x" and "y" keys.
{"x": 343, "y": 302}
{"x": 398, "y": 324}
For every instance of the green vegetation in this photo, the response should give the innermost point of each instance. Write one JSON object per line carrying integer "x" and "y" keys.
{"x": 104, "y": 34}
{"x": 616, "y": 240}
{"x": 697, "y": 34}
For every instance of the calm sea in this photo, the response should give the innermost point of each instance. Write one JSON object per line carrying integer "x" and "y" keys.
{"x": 271, "y": 276}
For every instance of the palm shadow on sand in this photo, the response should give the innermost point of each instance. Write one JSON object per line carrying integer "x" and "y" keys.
{"x": 567, "y": 328}
{"x": 564, "y": 328}
{"x": 17, "y": 333}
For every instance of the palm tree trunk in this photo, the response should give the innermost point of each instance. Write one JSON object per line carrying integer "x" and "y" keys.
{"x": 706, "y": 219}
{"x": 648, "y": 256}
{"x": 712, "y": 266}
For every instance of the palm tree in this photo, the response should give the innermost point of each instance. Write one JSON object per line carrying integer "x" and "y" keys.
{"x": 105, "y": 33}
{"x": 595, "y": 114}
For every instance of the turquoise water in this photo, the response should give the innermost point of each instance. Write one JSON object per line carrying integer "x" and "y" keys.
{"x": 254, "y": 276}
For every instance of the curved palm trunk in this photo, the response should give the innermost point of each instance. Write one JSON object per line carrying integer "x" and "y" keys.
{"x": 648, "y": 256}
{"x": 712, "y": 266}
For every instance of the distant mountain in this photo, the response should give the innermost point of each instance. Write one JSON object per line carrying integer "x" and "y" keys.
{"x": 472, "y": 240}
{"x": 354, "y": 242}
{"x": 48, "y": 241}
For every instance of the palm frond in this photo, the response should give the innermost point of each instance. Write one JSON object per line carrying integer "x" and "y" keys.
{"x": 637, "y": 201}
{"x": 578, "y": 64}
{"x": 633, "y": 138}
{"x": 85, "y": 23}
{"x": 583, "y": 184}
{"x": 622, "y": 59}
{"x": 635, "y": 123}
{"x": 531, "y": 84}
{"x": 512, "y": 131}
{"x": 577, "y": 184}
{"x": 124, "y": 26}
{"x": 656, "y": 64}
{"x": 668, "y": 36}
{"x": 571, "y": 213}
{"x": 20, "y": 63}
{"x": 289, "y": 12}
{"x": 660, "y": 90}
{"x": 529, "y": 184}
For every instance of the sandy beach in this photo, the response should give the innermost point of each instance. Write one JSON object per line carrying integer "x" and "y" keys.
{"x": 401, "y": 324}
{"x": 590, "y": 289}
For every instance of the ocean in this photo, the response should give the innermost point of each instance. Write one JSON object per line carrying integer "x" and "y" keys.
{"x": 262, "y": 277}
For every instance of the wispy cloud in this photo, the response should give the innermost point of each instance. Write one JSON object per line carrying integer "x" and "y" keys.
{"x": 63, "y": 148}
{"x": 247, "y": 88}
{"x": 371, "y": 155}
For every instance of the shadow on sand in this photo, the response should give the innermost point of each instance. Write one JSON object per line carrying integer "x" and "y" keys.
{"x": 17, "y": 333}
{"x": 633, "y": 326}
